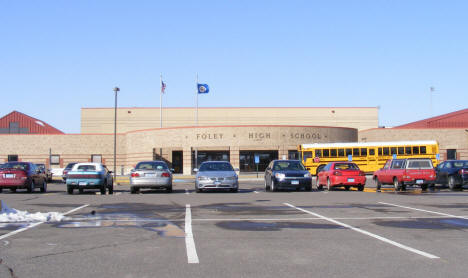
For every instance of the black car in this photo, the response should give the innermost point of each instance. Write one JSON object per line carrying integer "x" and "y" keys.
{"x": 287, "y": 174}
{"x": 453, "y": 173}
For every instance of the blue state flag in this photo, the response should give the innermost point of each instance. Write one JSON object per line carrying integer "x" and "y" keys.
{"x": 203, "y": 88}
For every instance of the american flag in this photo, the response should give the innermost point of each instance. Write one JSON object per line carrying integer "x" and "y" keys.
{"x": 163, "y": 87}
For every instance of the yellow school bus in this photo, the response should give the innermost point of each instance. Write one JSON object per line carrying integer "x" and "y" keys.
{"x": 369, "y": 156}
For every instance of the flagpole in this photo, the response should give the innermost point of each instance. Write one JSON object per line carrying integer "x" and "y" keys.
{"x": 196, "y": 117}
{"x": 160, "y": 101}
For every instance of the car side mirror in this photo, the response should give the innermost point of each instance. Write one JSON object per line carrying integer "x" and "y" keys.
{"x": 172, "y": 170}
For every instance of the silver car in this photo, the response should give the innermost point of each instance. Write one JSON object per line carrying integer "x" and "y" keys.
{"x": 151, "y": 174}
{"x": 216, "y": 175}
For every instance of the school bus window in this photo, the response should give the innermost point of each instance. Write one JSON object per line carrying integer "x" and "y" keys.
{"x": 306, "y": 155}
{"x": 386, "y": 151}
{"x": 401, "y": 150}
{"x": 326, "y": 153}
{"x": 318, "y": 153}
{"x": 340, "y": 152}
{"x": 348, "y": 152}
{"x": 371, "y": 151}
{"x": 415, "y": 150}
{"x": 423, "y": 149}
{"x": 393, "y": 150}
{"x": 355, "y": 151}
{"x": 363, "y": 151}
{"x": 407, "y": 150}
{"x": 332, "y": 152}
{"x": 380, "y": 151}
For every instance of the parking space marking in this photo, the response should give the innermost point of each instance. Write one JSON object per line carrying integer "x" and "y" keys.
{"x": 187, "y": 191}
{"x": 37, "y": 223}
{"x": 192, "y": 256}
{"x": 423, "y": 210}
{"x": 255, "y": 191}
{"x": 394, "y": 243}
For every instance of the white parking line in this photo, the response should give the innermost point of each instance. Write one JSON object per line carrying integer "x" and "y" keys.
{"x": 394, "y": 243}
{"x": 423, "y": 210}
{"x": 192, "y": 256}
{"x": 255, "y": 191}
{"x": 187, "y": 191}
{"x": 37, "y": 224}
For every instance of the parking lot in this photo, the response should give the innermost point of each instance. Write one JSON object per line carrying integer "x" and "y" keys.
{"x": 251, "y": 233}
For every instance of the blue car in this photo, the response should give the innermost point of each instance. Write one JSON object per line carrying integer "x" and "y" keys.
{"x": 287, "y": 174}
{"x": 454, "y": 173}
{"x": 90, "y": 176}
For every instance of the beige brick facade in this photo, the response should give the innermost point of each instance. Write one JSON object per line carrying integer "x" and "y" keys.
{"x": 101, "y": 120}
{"x": 136, "y": 146}
{"x": 451, "y": 138}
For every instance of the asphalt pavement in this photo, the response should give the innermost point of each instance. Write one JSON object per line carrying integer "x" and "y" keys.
{"x": 252, "y": 233}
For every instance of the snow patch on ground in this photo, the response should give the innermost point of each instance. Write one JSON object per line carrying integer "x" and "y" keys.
{"x": 12, "y": 215}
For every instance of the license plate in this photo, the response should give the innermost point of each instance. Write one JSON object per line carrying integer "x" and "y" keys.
{"x": 419, "y": 181}
{"x": 350, "y": 180}
{"x": 82, "y": 183}
{"x": 9, "y": 176}
{"x": 150, "y": 175}
{"x": 294, "y": 182}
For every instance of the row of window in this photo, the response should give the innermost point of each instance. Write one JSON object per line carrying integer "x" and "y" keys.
{"x": 356, "y": 152}
{"x": 55, "y": 158}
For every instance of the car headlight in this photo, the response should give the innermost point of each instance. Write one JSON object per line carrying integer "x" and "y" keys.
{"x": 307, "y": 175}
{"x": 202, "y": 178}
{"x": 280, "y": 176}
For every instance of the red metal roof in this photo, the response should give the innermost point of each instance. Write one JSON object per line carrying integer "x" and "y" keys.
{"x": 27, "y": 123}
{"x": 457, "y": 119}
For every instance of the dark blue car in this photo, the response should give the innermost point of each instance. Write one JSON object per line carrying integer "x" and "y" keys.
{"x": 287, "y": 174}
{"x": 453, "y": 173}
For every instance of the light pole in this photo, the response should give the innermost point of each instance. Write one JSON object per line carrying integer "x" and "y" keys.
{"x": 116, "y": 89}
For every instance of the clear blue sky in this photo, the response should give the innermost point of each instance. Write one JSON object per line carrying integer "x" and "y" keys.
{"x": 59, "y": 56}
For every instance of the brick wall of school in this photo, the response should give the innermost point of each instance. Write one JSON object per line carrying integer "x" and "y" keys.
{"x": 451, "y": 138}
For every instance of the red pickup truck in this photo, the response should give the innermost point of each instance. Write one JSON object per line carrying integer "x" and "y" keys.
{"x": 403, "y": 172}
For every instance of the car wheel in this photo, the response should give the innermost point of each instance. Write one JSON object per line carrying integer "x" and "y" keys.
{"x": 103, "y": 190}
{"x": 347, "y": 187}
{"x": 360, "y": 188}
{"x": 198, "y": 190}
{"x": 169, "y": 189}
{"x": 111, "y": 189}
{"x": 31, "y": 187}
{"x": 424, "y": 187}
{"x": 1, "y": 190}
{"x": 13, "y": 190}
{"x": 396, "y": 184}
{"x": 70, "y": 190}
{"x": 451, "y": 183}
{"x": 44, "y": 187}
{"x": 273, "y": 186}
{"x": 235, "y": 190}
{"x": 132, "y": 190}
{"x": 317, "y": 184}
{"x": 379, "y": 184}
{"x": 328, "y": 184}
{"x": 308, "y": 187}
{"x": 266, "y": 186}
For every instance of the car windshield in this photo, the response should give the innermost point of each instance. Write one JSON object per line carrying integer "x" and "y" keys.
{"x": 288, "y": 165}
{"x": 16, "y": 165}
{"x": 83, "y": 168}
{"x": 151, "y": 166}
{"x": 346, "y": 166}
{"x": 419, "y": 164}
{"x": 216, "y": 167}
